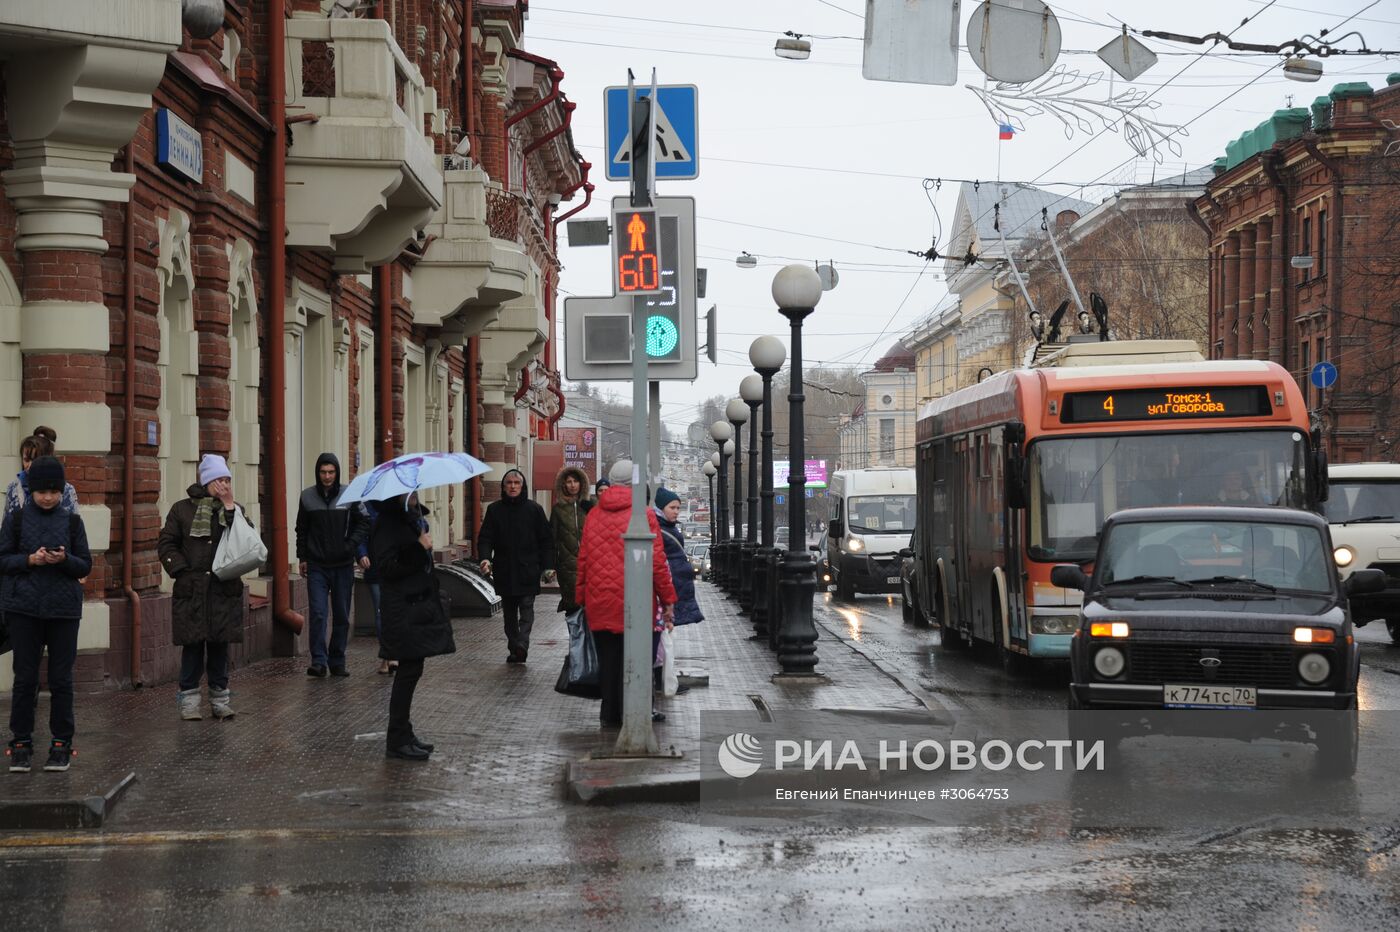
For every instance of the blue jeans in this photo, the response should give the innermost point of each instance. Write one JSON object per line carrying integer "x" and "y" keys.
{"x": 333, "y": 583}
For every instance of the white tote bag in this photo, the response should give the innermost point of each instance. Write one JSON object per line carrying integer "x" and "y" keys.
{"x": 240, "y": 548}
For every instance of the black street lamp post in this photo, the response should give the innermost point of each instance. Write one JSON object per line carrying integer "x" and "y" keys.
{"x": 796, "y": 290}
{"x": 751, "y": 391}
{"x": 720, "y": 432}
{"x": 709, "y": 469}
{"x": 737, "y": 414}
{"x": 767, "y": 355}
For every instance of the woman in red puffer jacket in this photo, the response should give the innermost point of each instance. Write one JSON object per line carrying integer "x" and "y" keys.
{"x": 600, "y": 589}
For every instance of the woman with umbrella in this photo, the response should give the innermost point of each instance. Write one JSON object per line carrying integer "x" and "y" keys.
{"x": 414, "y": 624}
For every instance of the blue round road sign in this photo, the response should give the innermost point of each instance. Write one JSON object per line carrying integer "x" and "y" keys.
{"x": 1323, "y": 375}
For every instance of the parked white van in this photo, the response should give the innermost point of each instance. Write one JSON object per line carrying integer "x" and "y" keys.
{"x": 870, "y": 520}
{"x": 1363, "y": 508}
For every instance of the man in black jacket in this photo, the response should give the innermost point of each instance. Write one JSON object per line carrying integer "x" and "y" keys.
{"x": 328, "y": 534}
{"x": 516, "y": 548}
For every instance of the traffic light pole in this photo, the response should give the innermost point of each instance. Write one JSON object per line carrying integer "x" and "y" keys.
{"x": 637, "y": 739}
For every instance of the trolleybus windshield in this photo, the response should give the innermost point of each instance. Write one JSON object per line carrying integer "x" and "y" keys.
{"x": 1077, "y": 482}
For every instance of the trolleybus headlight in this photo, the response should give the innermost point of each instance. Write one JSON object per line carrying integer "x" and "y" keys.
{"x": 1053, "y": 624}
{"x": 1344, "y": 556}
{"x": 1314, "y": 668}
{"x": 1109, "y": 662}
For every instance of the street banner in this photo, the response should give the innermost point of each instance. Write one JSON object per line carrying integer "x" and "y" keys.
{"x": 581, "y": 450}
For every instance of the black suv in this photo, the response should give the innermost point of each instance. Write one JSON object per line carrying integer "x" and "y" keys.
{"x": 1215, "y": 608}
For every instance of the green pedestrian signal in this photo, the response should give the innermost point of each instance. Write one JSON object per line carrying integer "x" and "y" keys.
{"x": 662, "y": 336}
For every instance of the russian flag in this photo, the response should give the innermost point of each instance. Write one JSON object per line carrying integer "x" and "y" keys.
{"x": 1005, "y": 131}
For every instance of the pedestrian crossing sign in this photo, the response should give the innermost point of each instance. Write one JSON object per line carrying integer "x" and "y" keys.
{"x": 676, "y": 145}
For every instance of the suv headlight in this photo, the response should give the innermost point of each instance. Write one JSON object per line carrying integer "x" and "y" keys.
{"x": 1314, "y": 668}
{"x": 1344, "y": 556}
{"x": 1109, "y": 662}
{"x": 1054, "y": 624}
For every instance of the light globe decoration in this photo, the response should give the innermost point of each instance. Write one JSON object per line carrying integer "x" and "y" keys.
{"x": 796, "y": 290}
{"x": 709, "y": 469}
{"x": 767, "y": 354}
{"x": 751, "y": 393}
{"x": 737, "y": 413}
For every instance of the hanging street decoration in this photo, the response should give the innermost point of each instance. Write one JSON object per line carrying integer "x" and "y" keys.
{"x": 1063, "y": 94}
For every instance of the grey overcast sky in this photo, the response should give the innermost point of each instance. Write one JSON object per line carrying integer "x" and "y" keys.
{"x": 807, "y": 160}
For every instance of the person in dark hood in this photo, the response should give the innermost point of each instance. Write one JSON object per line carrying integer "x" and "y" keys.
{"x": 328, "y": 536}
{"x": 516, "y": 550}
{"x": 571, "y": 505}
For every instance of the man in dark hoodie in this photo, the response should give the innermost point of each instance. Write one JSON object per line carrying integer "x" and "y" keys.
{"x": 328, "y": 535}
{"x": 516, "y": 548}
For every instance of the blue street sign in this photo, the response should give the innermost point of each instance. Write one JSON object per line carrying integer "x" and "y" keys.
{"x": 778, "y": 499}
{"x": 677, "y": 142}
{"x": 1323, "y": 375}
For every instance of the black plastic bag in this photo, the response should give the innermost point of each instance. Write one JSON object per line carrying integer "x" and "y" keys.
{"x": 579, "y": 675}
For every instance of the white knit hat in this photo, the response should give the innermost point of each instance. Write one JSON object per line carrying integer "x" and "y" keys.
{"x": 211, "y": 467}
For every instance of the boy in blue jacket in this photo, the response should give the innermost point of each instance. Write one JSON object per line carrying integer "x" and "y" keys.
{"x": 43, "y": 554}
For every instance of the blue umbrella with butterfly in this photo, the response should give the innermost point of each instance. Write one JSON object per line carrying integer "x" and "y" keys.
{"x": 411, "y": 472}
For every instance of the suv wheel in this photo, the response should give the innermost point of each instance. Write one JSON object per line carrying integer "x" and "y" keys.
{"x": 1393, "y": 626}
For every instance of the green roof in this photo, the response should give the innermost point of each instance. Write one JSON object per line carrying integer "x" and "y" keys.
{"x": 1283, "y": 125}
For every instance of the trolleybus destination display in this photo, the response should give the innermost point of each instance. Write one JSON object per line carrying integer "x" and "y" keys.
{"x": 1155, "y": 404}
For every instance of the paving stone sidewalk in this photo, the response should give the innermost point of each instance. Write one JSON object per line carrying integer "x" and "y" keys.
{"x": 308, "y": 753}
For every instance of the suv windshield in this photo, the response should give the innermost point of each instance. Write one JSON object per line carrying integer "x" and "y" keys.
{"x": 1076, "y": 483}
{"x": 1282, "y": 556}
{"x": 1362, "y": 500}
{"x": 881, "y": 514}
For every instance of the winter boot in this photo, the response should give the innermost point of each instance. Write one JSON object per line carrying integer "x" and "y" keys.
{"x": 188, "y": 700}
{"x": 219, "y": 703}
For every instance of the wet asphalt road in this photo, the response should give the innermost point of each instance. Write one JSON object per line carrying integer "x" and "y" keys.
{"x": 682, "y": 866}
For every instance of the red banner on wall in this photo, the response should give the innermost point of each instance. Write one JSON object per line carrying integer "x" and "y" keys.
{"x": 581, "y": 450}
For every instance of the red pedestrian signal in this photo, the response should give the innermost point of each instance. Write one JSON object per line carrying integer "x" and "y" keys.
{"x": 638, "y": 266}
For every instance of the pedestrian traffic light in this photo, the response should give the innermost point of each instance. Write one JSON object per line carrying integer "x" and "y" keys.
{"x": 638, "y": 252}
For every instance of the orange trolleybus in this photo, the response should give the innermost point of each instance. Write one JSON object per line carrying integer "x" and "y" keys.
{"x": 1018, "y": 473}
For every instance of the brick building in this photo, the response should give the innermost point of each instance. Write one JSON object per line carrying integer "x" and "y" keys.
{"x": 267, "y": 230}
{"x": 1303, "y": 216}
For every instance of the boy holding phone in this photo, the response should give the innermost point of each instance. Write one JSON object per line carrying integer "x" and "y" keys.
{"x": 43, "y": 555}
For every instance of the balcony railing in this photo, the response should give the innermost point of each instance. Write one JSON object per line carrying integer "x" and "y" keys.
{"x": 504, "y": 214}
